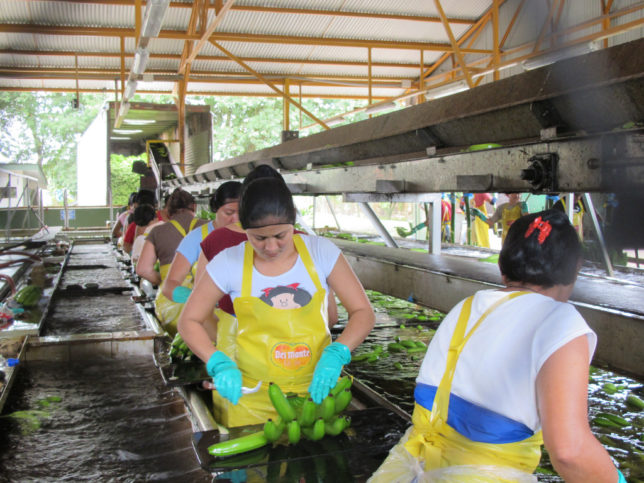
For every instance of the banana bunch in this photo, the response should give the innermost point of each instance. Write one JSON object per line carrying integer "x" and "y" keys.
{"x": 301, "y": 416}
{"x": 179, "y": 350}
{"x": 297, "y": 416}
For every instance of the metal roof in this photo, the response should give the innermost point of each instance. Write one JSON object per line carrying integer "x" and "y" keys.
{"x": 368, "y": 49}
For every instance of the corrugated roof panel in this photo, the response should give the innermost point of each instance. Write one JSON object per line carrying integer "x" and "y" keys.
{"x": 232, "y": 88}
{"x": 275, "y": 23}
{"x": 390, "y": 30}
{"x": 165, "y": 46}
{"x": 75, "y": 13}
{"x": 472, "y": 9}
{"x": 162, "y": 64}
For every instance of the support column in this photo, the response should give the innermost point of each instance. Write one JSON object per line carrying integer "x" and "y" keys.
{"x": 380, "y": 228}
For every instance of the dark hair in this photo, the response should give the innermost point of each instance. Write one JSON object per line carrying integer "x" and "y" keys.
{"x": 226, "y": 193}
{"x": 179, "y": 200}
{"x": 266, "y": 198}
{"x": 146, "y": 197}
{"x": 553, "y": 262}
{"x": 262, "y": 171}
{"x": 144, "y": 214}
{"x": 132, "y": 199}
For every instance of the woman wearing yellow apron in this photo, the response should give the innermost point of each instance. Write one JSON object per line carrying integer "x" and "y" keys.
{"x": 161, "y": 244}
{"x": 278, "y": 282}
{"x": 507, "y": 370}
{"x": 508, "y": 212}
{"x": 480, "y": 227}
{"x": 577, "y": 213}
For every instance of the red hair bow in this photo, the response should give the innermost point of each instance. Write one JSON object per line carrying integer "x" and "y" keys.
{"x": 544, "y": 228}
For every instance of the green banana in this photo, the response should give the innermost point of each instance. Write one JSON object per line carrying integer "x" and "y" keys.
{"x": 395, "y": 347}
{"x": 280, "y": 403}
{"x": 315, "y": 432}
{"x": 326, "y": 409}
{"x": 614, "y": 418}
{"x": 307, "y": 417}
{"x": 408, "y": 343}
{"x": 634, "y": 401}
{"x": 361, "y": 357}
{"x": 344, "y": 383}
{"x": 336, "y": 426}
{"x": 238, "y": 445}
{"x": 293, "y": 432}
{"x": 271, "y": 431}
{"x": 342, "y": 400}
{"x": 398, "y": 365}
{"x": 607, "y": 423}
{"x": 609, "y": 388}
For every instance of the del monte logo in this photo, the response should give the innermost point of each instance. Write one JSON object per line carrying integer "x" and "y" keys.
{"x": 291, "y": 356}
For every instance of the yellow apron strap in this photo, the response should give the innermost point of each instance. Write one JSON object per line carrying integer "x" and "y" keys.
{"x": 193, "y": 223}
{"x": 459, "y": 339}
{"x": 178, "y": 226}
{"x": 204, "y": 231}
{"x": 308, "y": 261}
{"x": 247, "y": 273}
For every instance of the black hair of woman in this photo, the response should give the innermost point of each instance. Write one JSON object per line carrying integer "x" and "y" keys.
{"x": 262, "y": 171}
{"x": 266, "y": 201}
{"x": 226, "y": 193}
{"x": 144, "y": 214}
{"x": 133, "y": 198}
{"x": 180, "y": 200}
{"x": 146, "y": 197}
{"x": 541, "y": 249}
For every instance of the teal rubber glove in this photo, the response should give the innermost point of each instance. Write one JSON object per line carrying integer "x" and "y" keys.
{"x": 620, "y": 477}
{"x": 226, "y": 375}
{"x": 180, "y": 294}
{"x": 328, "y": 369}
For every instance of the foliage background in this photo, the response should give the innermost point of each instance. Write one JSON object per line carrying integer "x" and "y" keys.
{"x": 44, "y": 128}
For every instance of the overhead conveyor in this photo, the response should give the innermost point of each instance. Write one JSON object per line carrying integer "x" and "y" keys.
{"x": 561, "y": 127}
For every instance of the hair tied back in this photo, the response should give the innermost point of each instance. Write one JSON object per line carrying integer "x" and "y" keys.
{"x": 544, "y": 228}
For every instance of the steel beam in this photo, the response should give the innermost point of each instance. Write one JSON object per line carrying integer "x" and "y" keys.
{"x": 611, "y": 162}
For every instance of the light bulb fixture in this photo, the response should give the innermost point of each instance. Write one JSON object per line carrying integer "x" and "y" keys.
{"x": 119, "y": 138}
{"x": 130, "y": 89}
{"x": 446, "y": 90}
{"x": 127, "y": 131}
{"x": 385, "y": 106}
{"x": 334, "y": 121}
{"x": 140, "y": 61}
{"x": 557, "y": 55}
{"x": 139, "y": 122}
{"x": 155, "y": 10}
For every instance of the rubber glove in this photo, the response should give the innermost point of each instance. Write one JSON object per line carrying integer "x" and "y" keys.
{"x": 226, "y": 376}
{"x": 328, "y": 369}
{"x": 180, "y": 294}
{"x": 620, "y": 477}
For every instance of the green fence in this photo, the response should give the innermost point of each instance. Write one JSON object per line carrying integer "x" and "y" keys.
{"x": 77, "y": 217}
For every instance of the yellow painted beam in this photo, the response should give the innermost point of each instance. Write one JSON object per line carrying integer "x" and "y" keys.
{"x": 456, "y": 49}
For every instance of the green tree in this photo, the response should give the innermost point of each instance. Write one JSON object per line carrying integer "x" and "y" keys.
{"x": 44, "y": 128}
{"x": 124, "y": 181}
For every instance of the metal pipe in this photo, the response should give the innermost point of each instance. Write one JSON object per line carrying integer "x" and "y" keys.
{"x": 380, "y": 228}
{"x": 600, "y": 236}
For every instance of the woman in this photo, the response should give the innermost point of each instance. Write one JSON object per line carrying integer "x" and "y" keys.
{"x": 161, "y": 244}
{"x": 508, "y": 212}
{"x": 286, "y": 339}
{"x": 507, "y": 370}
{"x": 145, "y": 218}
{"x": 225, "y": 204}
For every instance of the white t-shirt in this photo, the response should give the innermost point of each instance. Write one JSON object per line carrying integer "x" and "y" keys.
{"x": 190, "y": 246}
{"x": 291, "y": 289}
{"x": 498, "y": 366}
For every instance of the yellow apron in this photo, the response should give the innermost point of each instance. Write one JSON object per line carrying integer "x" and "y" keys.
{"x": 480, "y": 228}
{"x": 166, "y": 310}
{"x": 439, "y": 446}
{"x": 274, "y": 345}
{"x": 577, "y": 218}
{"x": 508, "y": 217}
